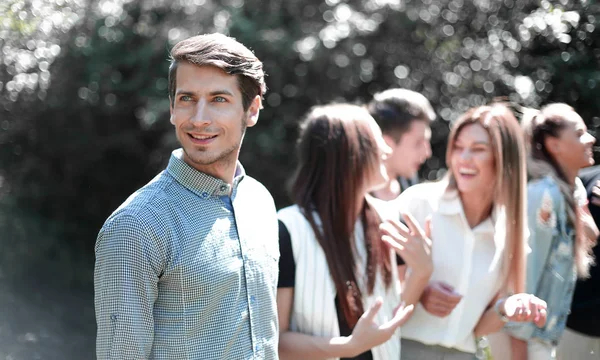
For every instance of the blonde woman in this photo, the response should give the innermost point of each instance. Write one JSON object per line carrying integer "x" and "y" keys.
{"x": 477, "y": 217}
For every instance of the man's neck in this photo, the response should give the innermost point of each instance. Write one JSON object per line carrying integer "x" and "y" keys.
{"x": 389, "y": 191}
{"x": 224, "y": 169}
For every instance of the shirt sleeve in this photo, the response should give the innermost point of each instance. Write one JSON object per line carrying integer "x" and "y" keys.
{"x": 287, "y": 266}
{"x": 542, "y": 217}
{"x": 542, "y": 214}
{"x": 125, "y": 288}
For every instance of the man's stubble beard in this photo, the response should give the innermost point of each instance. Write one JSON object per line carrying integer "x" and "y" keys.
{"x": 224, "y": 156}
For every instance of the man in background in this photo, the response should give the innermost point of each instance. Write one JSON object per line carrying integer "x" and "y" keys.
{"x": 404, "y": 117}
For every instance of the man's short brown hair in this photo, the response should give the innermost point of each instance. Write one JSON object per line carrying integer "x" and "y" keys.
{"x": 396, "y": 109}
{"x": 225, "y": 53}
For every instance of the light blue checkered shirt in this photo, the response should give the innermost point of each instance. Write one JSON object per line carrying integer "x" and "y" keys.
{"x": 183, "y": 271}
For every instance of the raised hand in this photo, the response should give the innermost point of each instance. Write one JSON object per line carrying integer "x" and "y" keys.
{"x": 439, "y": 298}
{"x": 411, "y": 243}
{"x": 367, "y": 334}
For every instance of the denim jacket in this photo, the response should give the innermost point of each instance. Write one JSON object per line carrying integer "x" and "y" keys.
{"x": 551, "y": 273}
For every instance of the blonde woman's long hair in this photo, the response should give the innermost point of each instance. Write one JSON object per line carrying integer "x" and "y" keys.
{"x": 507, "y": 143}
{"x": 538, "y": 126}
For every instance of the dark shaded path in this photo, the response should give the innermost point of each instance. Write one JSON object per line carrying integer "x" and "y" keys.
{"x": 46, "y": 324}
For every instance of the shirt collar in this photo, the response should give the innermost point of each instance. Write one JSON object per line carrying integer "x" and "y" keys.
{"x": 202, "y": 184}
{"x": 450, "y": 204}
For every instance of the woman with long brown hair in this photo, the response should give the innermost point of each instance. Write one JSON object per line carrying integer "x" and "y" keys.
{"x": 477, "y": 217}
{"x": 562, "y": 231}
{"x": 338, "y": 293}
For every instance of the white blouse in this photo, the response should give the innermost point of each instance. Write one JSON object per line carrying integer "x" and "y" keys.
{"x": 469, "y": 260}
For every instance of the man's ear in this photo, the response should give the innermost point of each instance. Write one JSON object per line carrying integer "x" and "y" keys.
{"x": 253, "y": 111}
{"x": 171, "y": 118}
{"x": 390, "y": 141}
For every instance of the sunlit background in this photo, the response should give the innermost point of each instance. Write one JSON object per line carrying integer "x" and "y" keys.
{"x": 84, "y": 110}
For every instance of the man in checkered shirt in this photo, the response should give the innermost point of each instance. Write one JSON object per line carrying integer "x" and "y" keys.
{"x": 186, "y": 267}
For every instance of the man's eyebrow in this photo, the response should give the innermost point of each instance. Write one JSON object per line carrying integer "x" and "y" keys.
{"x": 212, "y": 93}
{"x": 184, "y": 92}
{"x": 220, "y": 92}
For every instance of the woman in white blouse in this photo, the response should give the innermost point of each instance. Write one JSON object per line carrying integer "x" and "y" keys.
{"x": 477, "y": 219}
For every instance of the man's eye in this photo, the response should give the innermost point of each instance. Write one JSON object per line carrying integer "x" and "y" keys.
{"x": 185, "y": 98}
{"x": 220, "y": 99}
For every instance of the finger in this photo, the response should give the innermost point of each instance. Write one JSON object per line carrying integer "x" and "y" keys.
{"x": 387, "y": 228}
{"x": 438, "y": 303}
{"x": 540, "y": 306}
{"x": 522, "y": 310}
{"x": 400, "y": 317}
{"x": 445, "y": 301}
{"x": 373, "y": 309}
{"x": 542, "y": 318}
{"x": 436, "y": 310}
{"x": 400, "y": 227}
{"x": 442, "y": 308}
{"x": 528, "y": 309}
{"x": 428, "y": 227}
{"x": 445, "y": 296}
{"x": 396, "y": 245}
{"x": 413, "y": 225}
{"x": 532, "y": 309}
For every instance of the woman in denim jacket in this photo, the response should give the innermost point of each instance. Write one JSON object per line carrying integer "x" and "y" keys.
{"x": 561, "y": 228}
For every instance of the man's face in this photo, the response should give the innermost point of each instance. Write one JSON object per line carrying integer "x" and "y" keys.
{"x": 209, "y": 118}
{"x": 411, "y": 151}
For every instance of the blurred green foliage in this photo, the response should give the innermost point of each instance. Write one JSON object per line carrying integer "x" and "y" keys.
{"x": 84, "y": 108}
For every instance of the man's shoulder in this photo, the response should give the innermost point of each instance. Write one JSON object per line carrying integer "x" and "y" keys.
{"x": 143, "y": 203}
{"x": 255, "y": 187}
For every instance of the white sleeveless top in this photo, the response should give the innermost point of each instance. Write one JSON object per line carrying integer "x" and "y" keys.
{"x": 313, "y": 310}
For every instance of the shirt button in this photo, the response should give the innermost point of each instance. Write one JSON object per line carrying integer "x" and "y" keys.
{"x": 257, "y": 347}
{"x": 252, "y": 299}
{"x": 205, "y": 195}
{"x": 223, "y": 187}
{"x": 113, "y": 317}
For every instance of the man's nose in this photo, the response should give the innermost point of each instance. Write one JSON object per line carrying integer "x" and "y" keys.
{"x": 201, "y": 113}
